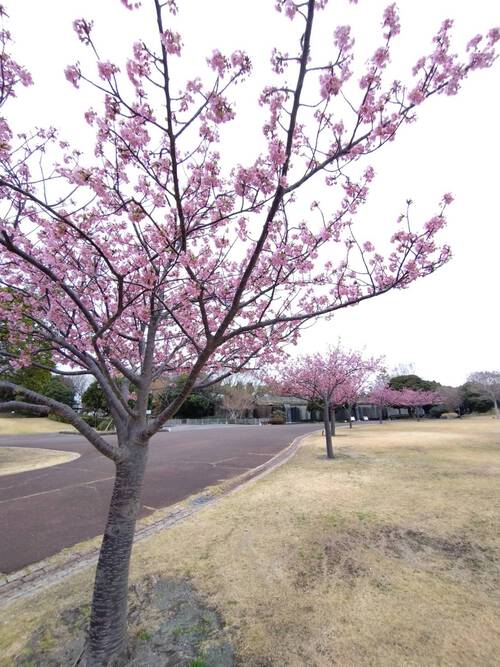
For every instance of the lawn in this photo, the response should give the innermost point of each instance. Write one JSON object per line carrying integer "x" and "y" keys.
{"x": 19, "y": 459}
{"x": 388, "y": 555}
{"x": 31, "y": 426}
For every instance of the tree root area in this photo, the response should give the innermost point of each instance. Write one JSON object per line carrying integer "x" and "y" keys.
{"x": 169, "y": 625}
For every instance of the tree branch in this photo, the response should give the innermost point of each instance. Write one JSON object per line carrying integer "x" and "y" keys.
{"x": 110, "y": 451}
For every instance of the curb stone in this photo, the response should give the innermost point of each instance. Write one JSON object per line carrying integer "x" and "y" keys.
{"x": 28, "y": 581}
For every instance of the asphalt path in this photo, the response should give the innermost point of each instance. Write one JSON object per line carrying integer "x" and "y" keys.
{"x": 44, "y": 511}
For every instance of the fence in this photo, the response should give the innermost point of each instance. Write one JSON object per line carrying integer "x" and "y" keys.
{"x": 205, "y": 421}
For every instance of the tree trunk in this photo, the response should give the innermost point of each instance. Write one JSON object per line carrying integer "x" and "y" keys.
{"x": 350, "y": 415}
{"x": 380, "y": 414}
{"x": 107, "y": 636}
{"x": 328, "y": 431}
{"x": 497, "y": 411}
{"x": 332, "y": 420}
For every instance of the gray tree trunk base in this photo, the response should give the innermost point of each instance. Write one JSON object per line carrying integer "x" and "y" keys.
{"x": 328, "y": 432}
{"x": 107, "y": 635}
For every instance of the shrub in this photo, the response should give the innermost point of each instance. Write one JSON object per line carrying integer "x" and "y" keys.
{"x": 277, "y": 417}
{"x": 437, "y": 411}
{"x": 57, "y": 418}
{"x": 92, "y": 420}
{"x": 105, "y": 424}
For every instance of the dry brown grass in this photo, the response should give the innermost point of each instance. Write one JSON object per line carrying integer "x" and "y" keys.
{"x": 31, "y": 426}
{"x": 19, "y": 459}
{"x": 387, "y": 556}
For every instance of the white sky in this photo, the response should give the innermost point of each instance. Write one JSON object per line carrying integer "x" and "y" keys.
{"x": 446, "y": 325}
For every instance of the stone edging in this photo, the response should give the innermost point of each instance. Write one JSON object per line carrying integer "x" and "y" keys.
{"x": 28, "y": 581}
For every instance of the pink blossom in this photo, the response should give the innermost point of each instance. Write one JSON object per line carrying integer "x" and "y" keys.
{"x": 391, "y": 21}
{"x": 277, "y": 152}
{"x": 381, "y": 57}
{"x": 106, "y": 70}
{"x": 130, "y": 4}
{"x": 448, "y": 198}
{"x": 329, "y": 85}
{"x": 493, "y": 36}
{"x": 83, "y": 29}
{"x": 172, "y": 42}
{"x": 416, "y": 96}
{"x": 342, "y": 37}
{"x": 218, "y": 63}
{"x": 73, "y": 75}
{"x": 242, "y": 61}
{"x": 220, "y": 111}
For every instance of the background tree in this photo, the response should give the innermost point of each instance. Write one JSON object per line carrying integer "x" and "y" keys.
{"x": 153, "y": 256}
{"x": 60, "y": 391}
{"x": 79, "y": 384}
{"x": 383, "y": 396}
{"x": 199, "y": 402}
{"x": 238, "y": 398}
{"x": 473, "y": 399}
{"x": 30, "y": 376}
{"x": 330, "y": 379}
{"x": 358, "y": 386}
{"x": 412, "y": 381}
{"x": 415, "y": 399}
{"x": 488, "y": 382}
{"x": 94, "y": 400}
{"x": 451, "y": 399}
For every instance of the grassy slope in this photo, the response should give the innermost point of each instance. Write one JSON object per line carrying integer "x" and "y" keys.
{"x": 387, "y": 556}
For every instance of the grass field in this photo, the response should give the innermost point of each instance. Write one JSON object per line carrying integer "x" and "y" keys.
{"x": 19, "y": 459}
{"x": 387, "y": 556}
{"x": 31, "y": 426}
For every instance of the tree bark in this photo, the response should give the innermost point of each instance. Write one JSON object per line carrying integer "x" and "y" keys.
{"x": 332, "y": 420}
{"x": 380, "y": 414}
{"x": 328, "y": 431}
{"x": 350, "y": 415}
{"x": 107, "y": 635}
{"x": 497, "y": 411}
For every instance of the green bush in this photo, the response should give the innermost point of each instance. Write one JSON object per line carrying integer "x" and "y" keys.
{"x": 436, "y": 411}
{"x": 57, "y": 418}
{"x": 105, "y": 424}
{"x": 91, "y": 420}
{"x": 277, "y": 417}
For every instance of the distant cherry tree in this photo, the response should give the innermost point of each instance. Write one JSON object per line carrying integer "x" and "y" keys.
{"x": 383, "y": 396}
{"x": 488, "y": 382}
{"x": 152, "y": 256}
{"x": 331, "y": 379}
{"x": 415, "y": 398}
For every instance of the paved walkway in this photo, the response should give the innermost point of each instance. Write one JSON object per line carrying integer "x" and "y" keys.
{"x": 44, "y": 511}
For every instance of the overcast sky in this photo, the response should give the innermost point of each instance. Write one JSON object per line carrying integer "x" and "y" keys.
{"x": 446, "y": 325}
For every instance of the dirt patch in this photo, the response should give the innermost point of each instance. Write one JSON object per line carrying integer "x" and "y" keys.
{"x": 345, "y": 554}
{"x": 14, "y": 460}
{"x": 169, "y": 626}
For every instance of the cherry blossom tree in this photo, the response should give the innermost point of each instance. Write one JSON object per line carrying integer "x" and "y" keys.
{"x": 331, "y": 378}
{"x": 358, "y": 384}
{"x": 488, "y": 382}
{"x": 414, "y": 399}
{"x": 383, "y": 396}
{"x": 151, "y": 256}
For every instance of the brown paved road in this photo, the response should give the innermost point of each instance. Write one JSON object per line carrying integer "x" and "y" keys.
{"x": 44, "y": 511}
